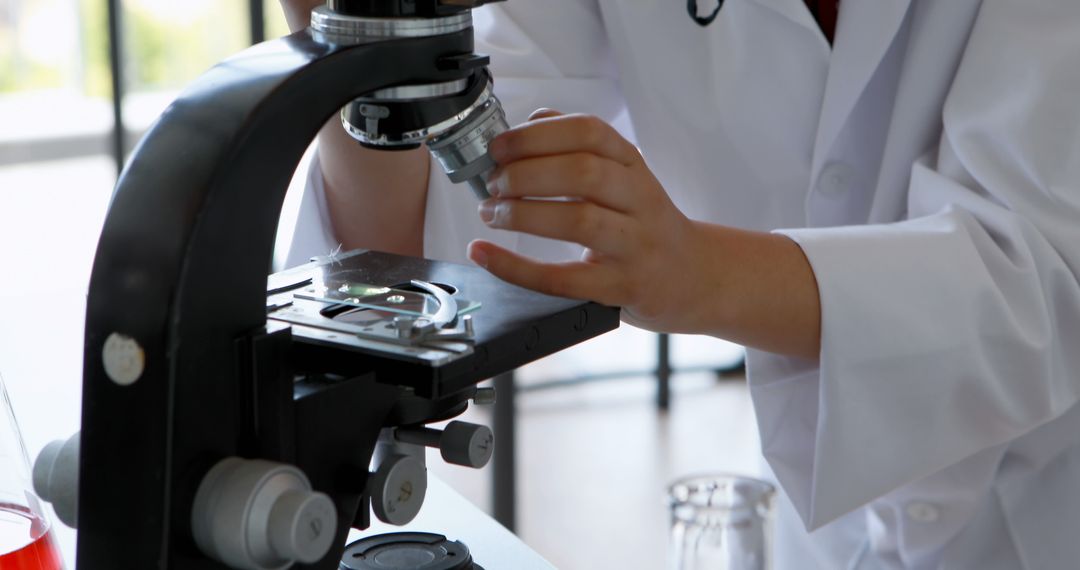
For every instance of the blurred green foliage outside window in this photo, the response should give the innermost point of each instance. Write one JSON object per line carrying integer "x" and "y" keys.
{"x": 63, "y": 44}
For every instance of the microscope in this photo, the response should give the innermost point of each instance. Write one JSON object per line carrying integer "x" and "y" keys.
{"x": 236, "y": 420}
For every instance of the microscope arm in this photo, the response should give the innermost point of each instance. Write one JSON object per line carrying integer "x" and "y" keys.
{"x": 179, "y": 282}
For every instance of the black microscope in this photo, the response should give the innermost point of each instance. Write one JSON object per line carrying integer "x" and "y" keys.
{"x": 231, "y": 419}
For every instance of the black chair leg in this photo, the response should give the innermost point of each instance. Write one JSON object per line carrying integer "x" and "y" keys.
{"x": 663, "y": 371}
{"x": 504, "y": 483}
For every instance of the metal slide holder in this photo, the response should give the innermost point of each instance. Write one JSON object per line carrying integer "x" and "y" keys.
{"x": 221, "y": 426}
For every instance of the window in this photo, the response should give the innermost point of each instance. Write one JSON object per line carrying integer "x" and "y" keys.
{"x": 57, "y": 127}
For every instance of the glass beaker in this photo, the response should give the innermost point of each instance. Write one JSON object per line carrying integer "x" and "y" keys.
{"x": 720, "y": 522}
{"x": 26, "y": 540}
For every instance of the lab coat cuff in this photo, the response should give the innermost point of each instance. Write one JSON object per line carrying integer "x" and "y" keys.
{"x": 784, "y": 392}
{"x": 868, "y": 418}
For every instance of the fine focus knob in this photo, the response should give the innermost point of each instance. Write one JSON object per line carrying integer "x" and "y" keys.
{"x": 259, "y": 515}
{"x": 467, "y": 444}
{"x": 56, "y": 478}
{"x": 460, "y": 443}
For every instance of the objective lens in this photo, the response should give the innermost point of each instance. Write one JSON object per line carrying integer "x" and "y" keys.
{"x": 463, "y": 150}
{"x": 456, "y": 120}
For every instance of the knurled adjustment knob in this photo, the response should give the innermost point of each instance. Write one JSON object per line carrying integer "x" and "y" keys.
{"x": 460, "y": 443}
{"x": 398, "y": 488}
{"x": 56, "y": 478}
{"x": 259, "y": 515}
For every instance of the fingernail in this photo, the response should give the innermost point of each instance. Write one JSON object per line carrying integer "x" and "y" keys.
{"x": 495, "y": 183}
{"x": 478, "y": 256}
{"x": 487, "y": 211}
{"x": 539, "y": 112}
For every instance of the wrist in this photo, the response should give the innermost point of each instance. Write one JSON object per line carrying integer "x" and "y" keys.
{"x": 714, "y": 254}
{"x": 759, "y": 290}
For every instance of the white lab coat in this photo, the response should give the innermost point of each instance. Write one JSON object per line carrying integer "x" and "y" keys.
{"x": 932, "y": 162}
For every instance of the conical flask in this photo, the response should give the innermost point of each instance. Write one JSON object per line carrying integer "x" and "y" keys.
{"x": 26, "y": 538}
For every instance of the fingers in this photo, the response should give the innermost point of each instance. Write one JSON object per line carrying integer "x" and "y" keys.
{"x": 578, "y": 175}
{"x": 584, "y": 223}
{"x": 575, "y": 280}
{"x": 562, "y": 134}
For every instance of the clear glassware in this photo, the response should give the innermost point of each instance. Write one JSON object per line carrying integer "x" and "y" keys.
{"x": 720, "y": 522}
{"x": 26, "y": 538}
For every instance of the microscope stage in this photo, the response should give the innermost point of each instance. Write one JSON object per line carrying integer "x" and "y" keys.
{"x": 341, "y": 321}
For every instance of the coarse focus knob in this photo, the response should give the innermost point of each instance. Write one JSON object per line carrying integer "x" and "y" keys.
{"x": 259, "y": 515}
{"x": 56, "y": 478}
{"x": 397, "y": 489}
{"x": 460, "y": 443}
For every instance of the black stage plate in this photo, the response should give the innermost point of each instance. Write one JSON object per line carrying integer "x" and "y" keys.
{"x": 513, "y": 327}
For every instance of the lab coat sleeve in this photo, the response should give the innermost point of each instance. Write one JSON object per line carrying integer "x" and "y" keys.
{"x": 554, "y": 54}
{"x": 311, "y": 234}
{"x": 958, "y": 328}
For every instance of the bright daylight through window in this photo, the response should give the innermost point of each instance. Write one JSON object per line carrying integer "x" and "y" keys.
{"x": 56, "y": 112}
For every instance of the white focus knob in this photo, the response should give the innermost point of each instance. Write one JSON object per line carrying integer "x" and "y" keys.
{"x": 259, "y": 515}
{"x": 398, "y": 489}
{"x": 460, "y": 443}
{"x": 466, "y": 444}
{"x": 56, "y": 478}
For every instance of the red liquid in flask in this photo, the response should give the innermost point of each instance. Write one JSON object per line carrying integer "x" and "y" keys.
{"x": 25, "y": 541}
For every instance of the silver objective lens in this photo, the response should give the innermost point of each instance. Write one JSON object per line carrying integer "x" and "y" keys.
{"x": 463, "y": 149}
{"x": 459, "y": 143}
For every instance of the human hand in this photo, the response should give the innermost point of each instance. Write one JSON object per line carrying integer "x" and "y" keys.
{"x": 640, "y": 247}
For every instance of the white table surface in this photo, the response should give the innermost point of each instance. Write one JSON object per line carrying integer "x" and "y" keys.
{"x": 41, "y": 362}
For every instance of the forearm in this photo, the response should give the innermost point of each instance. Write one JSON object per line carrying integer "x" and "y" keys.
{"x": 298, "y": 12}
{"x": 376, "y": 199}
{"x": 757, "y": 289}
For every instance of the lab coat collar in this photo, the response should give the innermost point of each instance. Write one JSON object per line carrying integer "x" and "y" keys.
{"x": 864, "y": 32}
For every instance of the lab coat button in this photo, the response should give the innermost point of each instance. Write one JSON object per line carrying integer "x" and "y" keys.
{"x": 923, "y": 512}
{"x": 835, "y": 179}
